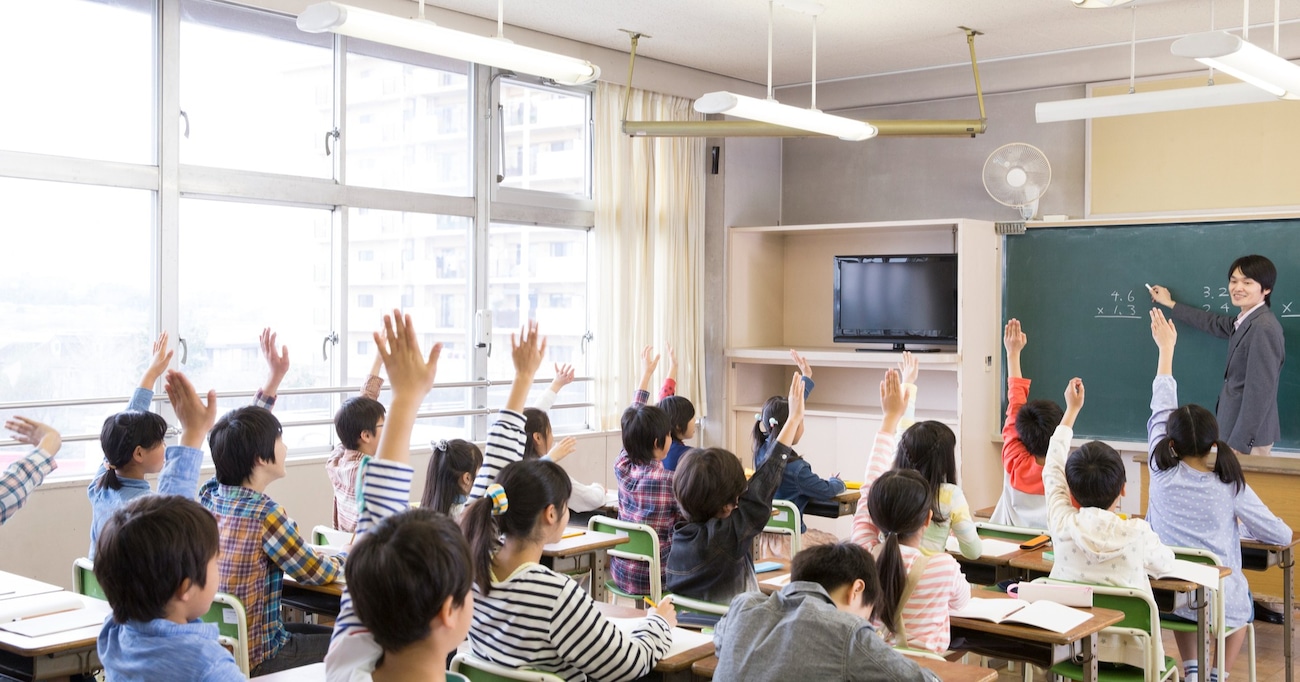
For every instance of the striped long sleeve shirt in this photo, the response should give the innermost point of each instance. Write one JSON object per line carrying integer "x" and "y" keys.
{"x": 540, "y": 619}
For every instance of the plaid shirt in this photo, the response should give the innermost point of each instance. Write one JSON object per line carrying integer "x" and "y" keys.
{"x": 645, "y": 495}
{"x": 342, "y": 469}
{"x": 21, "y": 478}
{"x": 259, "y": 544}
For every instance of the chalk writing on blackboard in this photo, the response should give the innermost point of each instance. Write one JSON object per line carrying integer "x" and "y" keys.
{"x": 1120, "y": 306}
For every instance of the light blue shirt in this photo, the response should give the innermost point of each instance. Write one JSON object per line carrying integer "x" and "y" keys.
{"x": 180, "y": 476}
{"x": 161, "y": 651}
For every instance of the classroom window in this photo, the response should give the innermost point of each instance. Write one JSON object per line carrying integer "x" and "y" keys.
{"x": 94, "y": 100}
{"x": 365, "y": 301}
{"x": 385, "y": 84}
{"x": 547, "y": 138}
{"x": 235, "y": 279}
{"x": 248, "y": 86}
{"x": 76, "y": 301}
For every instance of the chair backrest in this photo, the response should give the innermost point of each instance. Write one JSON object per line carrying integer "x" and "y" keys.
{"x": 479, "y": 670}
{"x": 330, "y": 537}
{"x": 1001, "y": 532}
{"x": 642, "y": 545}
{"x": 84, "y": 580}
{"x": 687, "y": 604}
{"x": 227, "y": 612}
{"x": 786, "y": 521}
{"x": 1140, "y": 616}
{"x": 1196, "y": 555}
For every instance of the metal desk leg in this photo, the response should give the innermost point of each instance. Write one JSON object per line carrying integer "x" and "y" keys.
{"x": 1202, "y": 632}
{"x": 1089, "y": 658}
{"x": 1288, "y": 615}
{"x": 599, "y": 562}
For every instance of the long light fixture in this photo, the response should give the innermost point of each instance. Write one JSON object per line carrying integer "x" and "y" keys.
{"x": 425, "y": 36}
{"x": 1243, "y": 60}
{"x": 772, "y": 111}
{"x": 1150, "y": 102}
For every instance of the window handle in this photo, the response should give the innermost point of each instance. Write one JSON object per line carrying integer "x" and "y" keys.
{"x": 328, "y": 134}
{"x": 586, "y": 338}
{"x": 186, "y": 118}
{"x": 185, "y": 350}
{"x": 333, "y": 338}
{"x": 501, "y": 144}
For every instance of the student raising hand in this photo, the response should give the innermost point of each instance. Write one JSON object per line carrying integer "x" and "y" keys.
{"x": 410, "y": 374}
{"x": 32, "y": 432}
{"x": 1073, "y": 401}
{"x": 158, "y": 363}
{"x": 892, "y": 401}
{"x": 195, "y": 416}
{"x": 794, "y": 422}
{"x": 562, "y": 449}
{"x": 526, "y": 352}
{"x": 649, "y": 362}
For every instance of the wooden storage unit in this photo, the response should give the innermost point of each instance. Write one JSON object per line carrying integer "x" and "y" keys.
{"x": 780, "y": 284}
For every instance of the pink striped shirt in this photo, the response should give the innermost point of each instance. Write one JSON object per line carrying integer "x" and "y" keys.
{"x": 942, "y": 587}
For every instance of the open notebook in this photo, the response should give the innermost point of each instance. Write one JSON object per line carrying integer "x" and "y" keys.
{"x": 1201, "y": 574}
{"x": 989, "y": 546}
{"x": 683, "y": 640}
{"x": 1043, "y": 614}
{"x": 47, "y": 614}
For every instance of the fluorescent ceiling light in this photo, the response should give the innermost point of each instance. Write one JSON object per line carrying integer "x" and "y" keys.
{"x": 1100, "y": 4}
{"x": 1243, "y": 60}
{"x": 1151, "y": 102}
{"x": 771, "y": 111}
{"x": 426, "y": 36}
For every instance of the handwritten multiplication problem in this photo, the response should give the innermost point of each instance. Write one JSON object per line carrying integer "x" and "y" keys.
{"x": 1215, "y": 299}
{"x": 1119, "y": 305}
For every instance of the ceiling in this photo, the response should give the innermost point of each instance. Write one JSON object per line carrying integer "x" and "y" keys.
{"x": 862, "y": 37}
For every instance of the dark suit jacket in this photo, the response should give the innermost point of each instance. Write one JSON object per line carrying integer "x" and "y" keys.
{"x": 1247, "y": 409}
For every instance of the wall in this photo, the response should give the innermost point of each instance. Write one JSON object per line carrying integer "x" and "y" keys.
{"x": 899, "y": 178}
{"x": 53, "y": 529}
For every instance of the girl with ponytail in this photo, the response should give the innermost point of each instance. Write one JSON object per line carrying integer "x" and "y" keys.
{"x": 1198, "y": 494}
{"x": 450, "y": 474}
{"x": 524, "y": 613}
{"x": 916, "y": 591}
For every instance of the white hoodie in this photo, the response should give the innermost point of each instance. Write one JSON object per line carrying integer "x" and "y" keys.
{"x": 1096, "y": 545}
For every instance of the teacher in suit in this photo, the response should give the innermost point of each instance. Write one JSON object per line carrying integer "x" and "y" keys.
{"x": 1247, "y": 409}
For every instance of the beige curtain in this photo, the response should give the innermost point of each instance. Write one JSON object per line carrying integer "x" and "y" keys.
{"x": 649, "y": 250}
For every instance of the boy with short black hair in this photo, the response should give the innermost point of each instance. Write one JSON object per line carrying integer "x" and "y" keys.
{"x": 645, "y": 487}
{"x": 357, "y": 424}
{"x": 1025, "y": 437}
{"x": 259, "y": 542}
{"x": 1093, "y": 543}
{"x": 156, "y": 560}
{"x": 408, "y": 601}
{"x": 817, "y": 627}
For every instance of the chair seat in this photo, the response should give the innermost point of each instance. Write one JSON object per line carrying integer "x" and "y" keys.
{"x": 612, "y": 588}
{"x": 1111, "y": 672}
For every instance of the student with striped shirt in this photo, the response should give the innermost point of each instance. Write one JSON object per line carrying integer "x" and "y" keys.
{"x": 916, "y": 591}
{"x": 407, "y": 603}
{"x": 526, "y": 615}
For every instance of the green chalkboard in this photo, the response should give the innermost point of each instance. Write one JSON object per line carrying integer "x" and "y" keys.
{"x": 1079, "y": 294}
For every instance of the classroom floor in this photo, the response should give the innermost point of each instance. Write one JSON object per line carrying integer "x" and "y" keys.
{"x": 1269, "y": 667}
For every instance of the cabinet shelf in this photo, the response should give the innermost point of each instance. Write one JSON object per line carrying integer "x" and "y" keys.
{"x": 841, "y": 357}
{"x": 814, "y": 409}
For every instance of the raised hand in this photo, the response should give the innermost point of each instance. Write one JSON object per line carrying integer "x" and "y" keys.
{"x": 196, "y": 417}
{"x": 277, "y": 363}
{"x": 801, "y": 362}
{"x": 892, "y": 401}
{"x": 1073, "y": 401}
{"x": 672, "y": 363}
{"x": 32, "y": 432}
{"x": 1013, "y": 339}
{"x": 1163, "y": 331}
{"x": 794, "y": 422}
{"x": 158, "y": 363}
{"x": 526, "y": 352}
{"x": 564, "y": 374}
{"x": 908, "y": 369}
{"x": 1161, "y": 295}
{"x": 563, "y": 449}
{"x": 410, "y": 373}
{"x": 649, "y": 361}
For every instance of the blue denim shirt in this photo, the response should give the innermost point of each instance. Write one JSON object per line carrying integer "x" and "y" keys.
{"x": 160, "y": 650}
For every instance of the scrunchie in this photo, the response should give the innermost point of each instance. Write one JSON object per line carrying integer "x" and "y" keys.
{"x": 500, "y": 503}
{"x": 440, "y": 445}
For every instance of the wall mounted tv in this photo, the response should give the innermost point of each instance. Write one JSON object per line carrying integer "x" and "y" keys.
{"x": 901, "y": 300}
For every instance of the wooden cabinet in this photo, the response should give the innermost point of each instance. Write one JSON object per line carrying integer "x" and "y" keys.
{"x": 780, "y": 283}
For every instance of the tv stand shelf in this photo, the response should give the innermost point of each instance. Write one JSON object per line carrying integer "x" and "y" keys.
{"x": 780, "y": 284}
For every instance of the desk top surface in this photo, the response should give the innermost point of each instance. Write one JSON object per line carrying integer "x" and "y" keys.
{"x": 583, "y": 542}
{"x": 678, "y": 663}
{"x": 948, "y": 672}
{"x": 1256, "y": 544}
{"x": 307, "y": 673}
{"x": 1033, "y": 560}
{"x": 58, "y": 642}
{"x": 1101, "y": 618}
{"x": 335, "y": 588}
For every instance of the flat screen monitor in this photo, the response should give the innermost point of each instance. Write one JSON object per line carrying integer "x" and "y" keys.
{"x": 896, "y": 299}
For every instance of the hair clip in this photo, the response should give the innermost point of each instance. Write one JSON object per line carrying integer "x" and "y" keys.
{"x": 500, "y": 503}
{"x": 772, "y": 421}
{"x": 440, "y": 445}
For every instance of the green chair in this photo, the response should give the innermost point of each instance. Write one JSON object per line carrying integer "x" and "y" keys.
{"x": 1010, "y": 533}
{"x": 690, "y": 605}
{"x": 227, "y": 612}
{"x": 1141, "y": 624}
{"x": 786, "y": 521}
{"x": 1218, "y": 626}
{"x": 479, "y": 670}
{"x": 84, "y": 580}
{"x": 642, "y": 545}
{"x": 329, "y": 537}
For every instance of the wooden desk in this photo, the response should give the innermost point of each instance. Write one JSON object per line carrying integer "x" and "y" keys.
{"x": 1166, "y": 591}
{"x": 588, "y": 544}
{"x": 1040, "y": 647}
{"x": 948, "y": 672}
{"x": 307, "y": 601}
{"x": 1282, "y": 556}
{"x": 57, "y": 655}
{"x": 307, "y": 673}
{"x": 844, "y": 504}
{"x": 676, "y": 668}
{"x": 1001, "y": 566}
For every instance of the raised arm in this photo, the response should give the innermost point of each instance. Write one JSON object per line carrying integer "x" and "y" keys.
{"x": 1055, "y": 488}
{"x": 142, "y": 397}
{"x": 649, "y": 361}
{"x": 1022, "y": 468}
{"x": 563, "y": 377}
{"x": 670, "y": 381}
{"x": 277, "y": 365}
{"x": 882, "y": 453}
{"x": 1211, "y": 323}
{"x": 374, "y": 383}
{"x": 1164, "y": 390}
{"x": 24, "y": 475}
{"x": 180, "y": 474}
{"x": 506, "y": 437}
{"x": 754, "y": 508}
